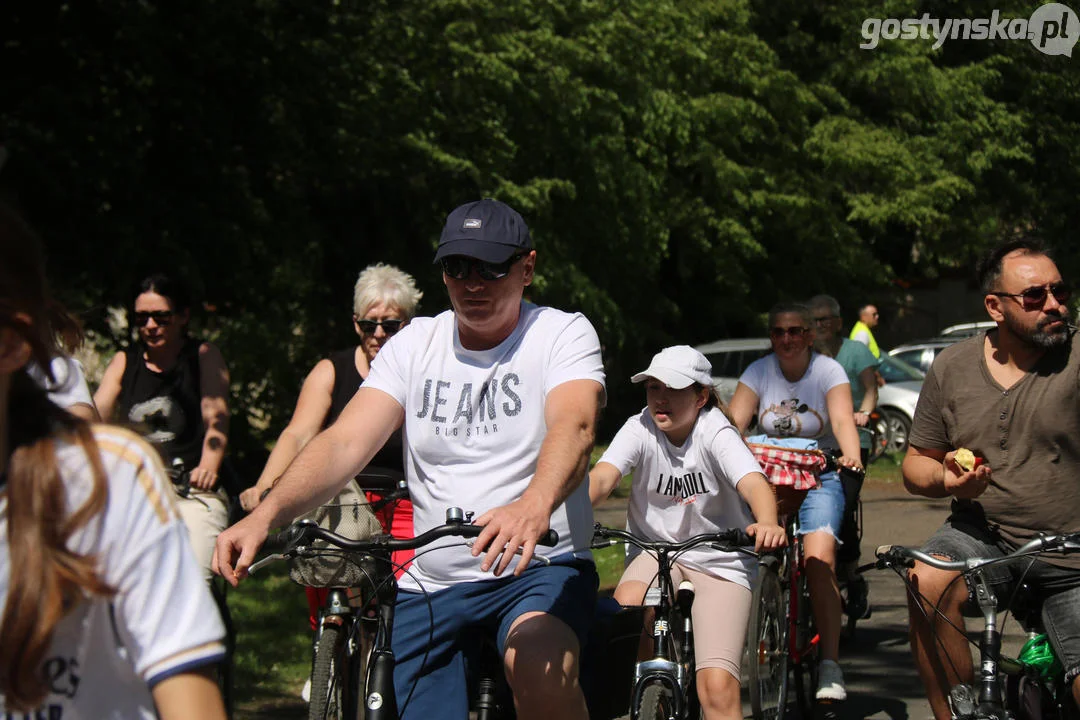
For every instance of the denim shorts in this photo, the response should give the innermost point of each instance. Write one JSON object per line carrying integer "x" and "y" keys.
{"x": 434, "y": 632}
{"x": 961, "y": 538}
{"x": 823, "y": 508}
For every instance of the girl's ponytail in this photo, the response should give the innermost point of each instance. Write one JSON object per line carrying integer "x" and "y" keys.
{"x": 51, "y": 578}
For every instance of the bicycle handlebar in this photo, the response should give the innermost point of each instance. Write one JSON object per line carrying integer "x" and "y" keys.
{"x": 723, "y": 540}
{"x": 891, "y": 555}
{"x": 296, "y": 536}
{"x": 832, "y": 463}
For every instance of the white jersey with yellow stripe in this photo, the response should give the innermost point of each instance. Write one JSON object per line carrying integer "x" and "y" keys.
{"x": 108, "y": 652}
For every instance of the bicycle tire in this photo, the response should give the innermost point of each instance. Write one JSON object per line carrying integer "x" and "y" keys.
{"x": 361, "y": 658}
{"x": 655, "y": 703}
{"x": 767, "y": 652}
{"x": 806, "y": 670}
{"x": 329, "y": 676}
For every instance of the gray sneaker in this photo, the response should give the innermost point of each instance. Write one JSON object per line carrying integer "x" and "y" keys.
{"x": 830, "y": 682}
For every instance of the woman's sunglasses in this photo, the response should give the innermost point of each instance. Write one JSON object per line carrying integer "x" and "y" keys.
{"x": 389, "y": 326}
{"x": 160, "y": 317}
{"x": 1034, "y": 298}
{"x": 458, "y": 267}
{"x": 795, "y": 331}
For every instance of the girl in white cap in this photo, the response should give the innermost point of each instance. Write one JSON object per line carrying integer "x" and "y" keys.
{"x": 692, "y": 474}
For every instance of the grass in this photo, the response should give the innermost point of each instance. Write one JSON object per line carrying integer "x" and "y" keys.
{"x": 273, "y": 652}
{"x": 886, "y": 469}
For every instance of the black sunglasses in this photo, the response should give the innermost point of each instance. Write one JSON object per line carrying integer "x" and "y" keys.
{"x": 389, "y": 326}
{"x": 822, "y": 320}
{"x": 796, "y": 331}
{"x": 1034, "y": 298}
{"x": 459, "y": 266}
{"x": 161, "y": 318}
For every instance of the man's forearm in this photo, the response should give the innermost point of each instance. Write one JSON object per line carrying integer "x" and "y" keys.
{"x": 562, "y": 462}
{"x": 313, "y": 478}
{"x": 923, "y": 475}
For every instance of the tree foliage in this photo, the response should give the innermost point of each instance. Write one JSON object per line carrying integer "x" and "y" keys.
{"x": 683, "y": 163}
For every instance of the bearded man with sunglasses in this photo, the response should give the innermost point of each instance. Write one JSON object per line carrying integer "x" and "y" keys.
{"x": 499, "y": 399}
{"x": 1012, "y": 396}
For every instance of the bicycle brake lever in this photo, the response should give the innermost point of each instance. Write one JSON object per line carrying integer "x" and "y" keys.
{"x": 263, "y": 562}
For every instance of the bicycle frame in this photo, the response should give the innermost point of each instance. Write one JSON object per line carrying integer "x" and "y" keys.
{"x": 675, "y": 670}
{"x": 380, "y": 700}
{"x": 671, "y": 666}
{"x": 990, "y": 702}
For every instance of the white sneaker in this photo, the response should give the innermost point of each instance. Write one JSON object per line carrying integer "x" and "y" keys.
{"x": 305, "y": 694}
{"x": 830, "y": 682}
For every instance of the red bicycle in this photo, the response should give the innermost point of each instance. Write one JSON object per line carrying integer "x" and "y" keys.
{"x": 782, "y": 638}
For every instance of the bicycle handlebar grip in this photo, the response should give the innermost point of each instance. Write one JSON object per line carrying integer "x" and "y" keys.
{"x": 742, "y": 539}
{"x": 550, "y": 538}
{"x": 279, "y": 541}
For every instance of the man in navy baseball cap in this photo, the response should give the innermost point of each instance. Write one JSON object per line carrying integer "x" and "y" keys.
{"x": 487, "y": 230}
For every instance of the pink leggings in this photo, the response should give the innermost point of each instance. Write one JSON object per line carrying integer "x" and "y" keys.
{"x": 721, "y": 612}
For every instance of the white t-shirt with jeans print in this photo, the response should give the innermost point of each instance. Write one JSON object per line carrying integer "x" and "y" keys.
{"x": 107, "y": 653}
{"x": 679, "y": 492}
{"x": 474, "y": 423}
{"x": 795, "y": 409}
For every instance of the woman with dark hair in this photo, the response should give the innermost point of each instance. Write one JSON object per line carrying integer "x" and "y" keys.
{"x": 104, "y": 613}
{"x": 172, "y": 390}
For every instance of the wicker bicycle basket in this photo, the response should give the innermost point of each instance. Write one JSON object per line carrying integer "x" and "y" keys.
{"x": 323, "y": 566}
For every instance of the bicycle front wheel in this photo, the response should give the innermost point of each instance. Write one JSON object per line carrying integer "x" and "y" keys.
{"x": 806, "y": 670}
{"x": 767, "y": 652}
{"x": 330, "y": 676}
{"x": 655, "y": 703}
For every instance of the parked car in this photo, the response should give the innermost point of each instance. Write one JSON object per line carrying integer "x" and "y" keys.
{"x": 920, "y": 354}
{"x": 730, "y": 358}
{"x": 896, "y": 401}
{"x": 896, "y": 398}
{"x": 968, "y": 329}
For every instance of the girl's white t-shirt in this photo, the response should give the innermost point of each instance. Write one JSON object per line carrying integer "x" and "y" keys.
{"x": 107, "y": 653}
{"x": 795, "y": 409}
{"x": 474, "y": 423}
{"x": 679, "y": 492}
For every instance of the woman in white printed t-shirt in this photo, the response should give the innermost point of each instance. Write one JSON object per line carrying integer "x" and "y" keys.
{"x": 105, "y": 614}
{"x": 797, "y": 392}
{"x": 684, "y": 434}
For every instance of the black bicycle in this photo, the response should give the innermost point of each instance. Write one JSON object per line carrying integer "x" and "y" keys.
{"x": 664, "y": 685}
{"x": 353, "y": 678}
{"x": 1009, "y": 688}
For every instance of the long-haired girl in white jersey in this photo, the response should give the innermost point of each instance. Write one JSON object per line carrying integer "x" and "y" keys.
{"x": 692, "y": 474}
{"x": 105, "y": 615}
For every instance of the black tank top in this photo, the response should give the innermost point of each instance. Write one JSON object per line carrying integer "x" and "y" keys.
{"x": 389, "y": 461}
{"x": 166, "y": 407}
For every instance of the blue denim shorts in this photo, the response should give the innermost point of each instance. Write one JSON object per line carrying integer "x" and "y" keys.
{"x": 434, "y": 632}
{"x": 961, "y": 538}
{"x": 823, "y": 508}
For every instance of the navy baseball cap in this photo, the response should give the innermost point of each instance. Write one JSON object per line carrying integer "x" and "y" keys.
{"x": 487, "y": 230}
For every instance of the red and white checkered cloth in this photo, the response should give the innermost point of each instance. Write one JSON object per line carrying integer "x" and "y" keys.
{"x": 788, "y": 466}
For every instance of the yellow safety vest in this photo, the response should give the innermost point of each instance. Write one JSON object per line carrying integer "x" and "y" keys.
{"x": 860, "y": 326}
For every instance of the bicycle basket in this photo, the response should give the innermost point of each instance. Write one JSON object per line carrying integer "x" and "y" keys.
{"x": 789, "y": 466}
{"x": 350, "y": 516}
